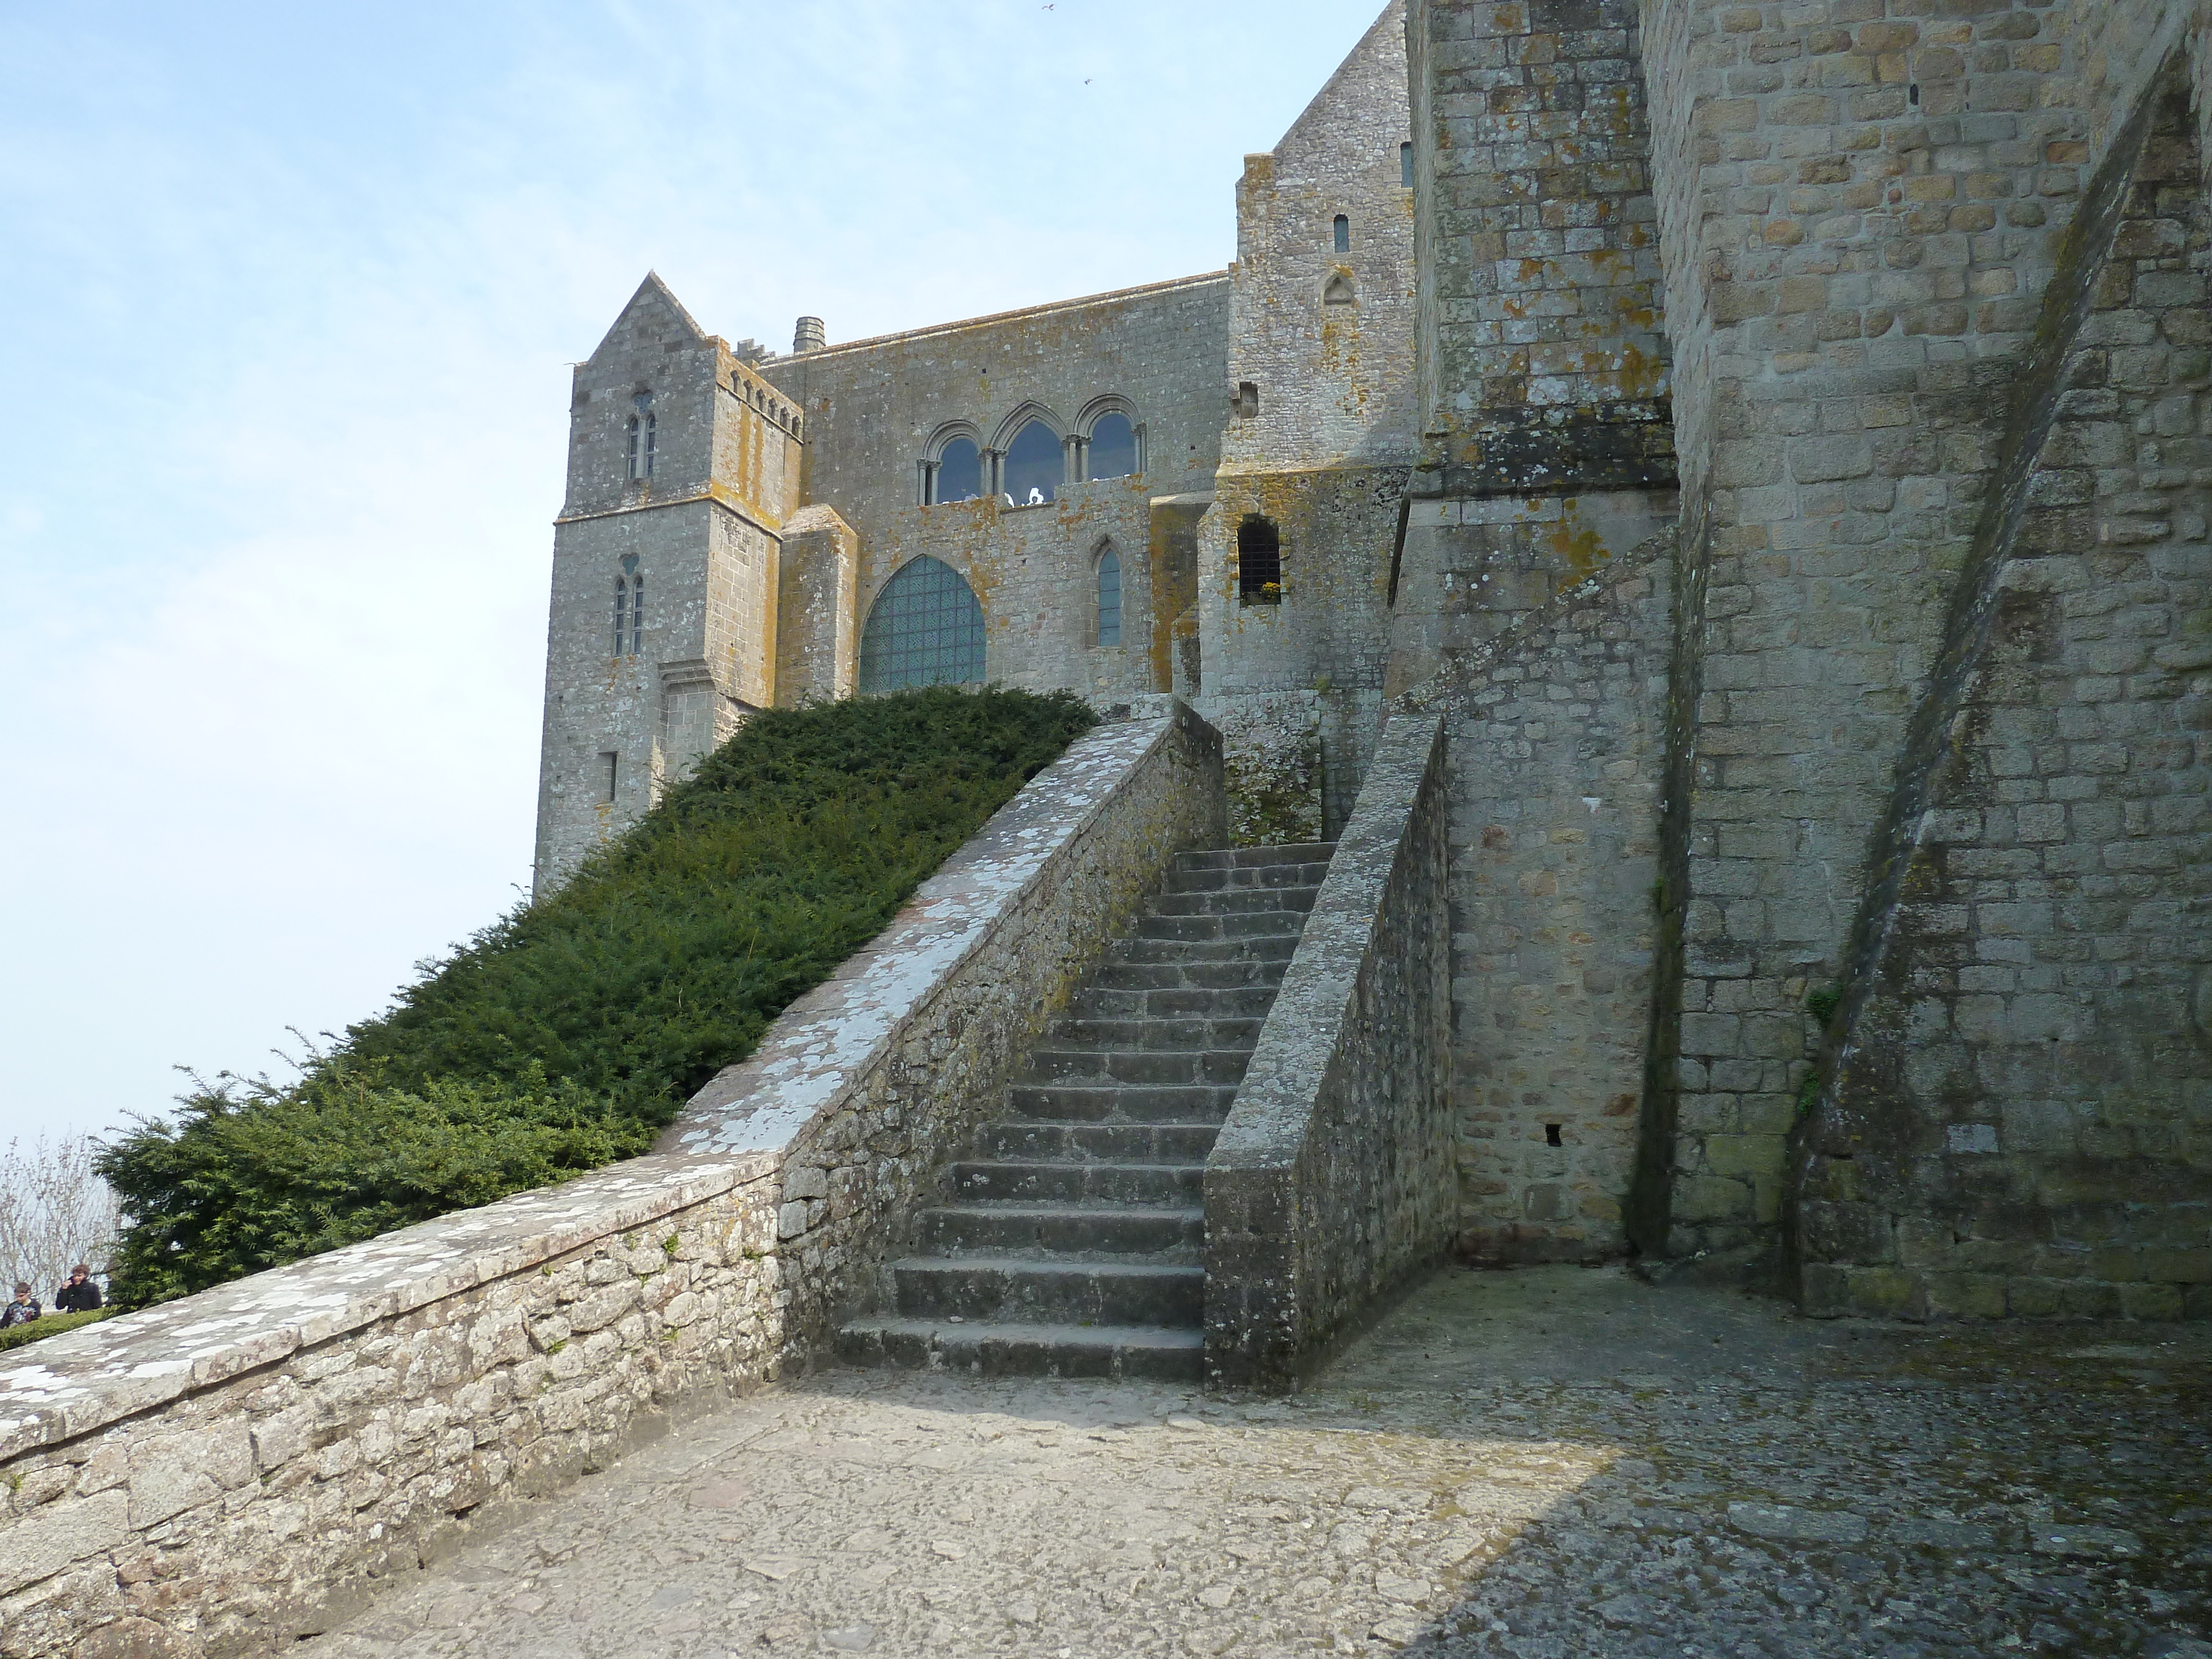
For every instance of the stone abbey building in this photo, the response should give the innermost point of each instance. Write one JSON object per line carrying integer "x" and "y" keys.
{"x": 1771, "y": 436}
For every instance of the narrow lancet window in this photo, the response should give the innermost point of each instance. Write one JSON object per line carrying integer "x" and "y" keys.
{"x": 1406, "y": 166}
{"x": 1109, "y": 598}
{"x": 642, "y": 437}
{"x": 630, "y": 609}
{"x": 1343, "y": 235}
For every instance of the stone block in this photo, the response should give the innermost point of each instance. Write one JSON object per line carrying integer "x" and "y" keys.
{"x": 58, "y": 1535}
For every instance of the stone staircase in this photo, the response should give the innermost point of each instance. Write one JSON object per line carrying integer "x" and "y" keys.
{"x": 1074, "y": 1246}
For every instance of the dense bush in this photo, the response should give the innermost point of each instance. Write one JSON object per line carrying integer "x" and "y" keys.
{"x": 52, "y": 1324}
{"x": 567, "y": 1034}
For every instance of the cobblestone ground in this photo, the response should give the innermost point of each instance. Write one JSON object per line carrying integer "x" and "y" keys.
{"x": 1540, "y": 1464}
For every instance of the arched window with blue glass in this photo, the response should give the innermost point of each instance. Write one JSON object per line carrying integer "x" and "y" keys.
{"x": 925, "y": 628}
{"x": 1109, "y": 576}
{"x": 1113, "y": 446}
{"x": 954, "y": 471}
{"x": 1035, "y": 466}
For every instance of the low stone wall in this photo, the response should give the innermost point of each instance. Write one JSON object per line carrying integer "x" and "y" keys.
{"x": 229, "y": 1472}
{"x": 871, "y": 1085}
{"x": 1331, "y": 1180}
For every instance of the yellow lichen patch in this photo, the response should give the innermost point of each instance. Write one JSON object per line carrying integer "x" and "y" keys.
{"x": 1575, "y": 544}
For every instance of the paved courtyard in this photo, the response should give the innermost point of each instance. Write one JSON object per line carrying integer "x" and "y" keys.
{"x": 1547, "y": 1464}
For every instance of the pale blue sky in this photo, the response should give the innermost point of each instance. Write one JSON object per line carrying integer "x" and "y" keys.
{"x": 289, "y": 295}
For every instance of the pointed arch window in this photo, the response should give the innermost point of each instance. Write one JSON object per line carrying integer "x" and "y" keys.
{"x": 957, "y": 474}
{"x": 1109, "y": 597}
{"x": 925, "y": 628}
{"x": 630, "y": 609}
{"x": 642, "y": 436}
{"x": 1113, "y": 447}
{"x": 1035, "y": 465}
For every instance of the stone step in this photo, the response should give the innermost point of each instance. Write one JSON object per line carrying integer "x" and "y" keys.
{"x": 1273, "y": 950}
{"x": 1245, "y": 972}
{"x": 1027, "y": 1292}
{"x": 1236, "y": 902}
{"x": 1175, "y": 1002}
{"x": 1195, "y": 930}
{"x": 1064, "y": 1230}
{"x": 1155, "y": 1034}
{"x": 1055, "y": 1181}
{"x": 1112, "y": 1143}
{"x": 1097, "y": 1102}
{"x": 1069, "y": 1062}
{"x": 1250, "y": 857}
{"x": 1261, "y": 876}
{"x": 992, "y": 1349}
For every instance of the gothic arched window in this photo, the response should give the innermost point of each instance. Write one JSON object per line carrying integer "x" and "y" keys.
{"x": 1113, "y": 447}
{"x": 1109, "y": 598}
{"x": 958, "y": 473}
{"x": 925, "y": 628}
{"x": 1034, "y": 463}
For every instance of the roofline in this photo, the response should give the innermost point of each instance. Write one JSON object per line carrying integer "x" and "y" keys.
{"x": 1045, "y": 310}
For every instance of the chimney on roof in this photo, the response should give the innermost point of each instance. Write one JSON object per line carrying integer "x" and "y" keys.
{"x": 808, "y": 336}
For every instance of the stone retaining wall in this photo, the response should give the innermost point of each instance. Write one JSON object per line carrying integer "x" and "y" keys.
{"x": 1331, "y": 1180}
{"x": 232, "y": 1471}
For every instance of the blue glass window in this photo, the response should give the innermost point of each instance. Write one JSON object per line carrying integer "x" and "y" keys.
{"x": 1113, "y": 447}
{"x": 1033, "y": 463}
{"x": 1109, "y": 598}
{"x": 925, "y": 628}
{"x": 959, "y": 475}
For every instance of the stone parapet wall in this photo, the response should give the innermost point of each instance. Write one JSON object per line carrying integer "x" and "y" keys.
{"x": 229, "y": 1472}
{"x": 870, "y": 1086}
{"x": 1331, "y": 1180}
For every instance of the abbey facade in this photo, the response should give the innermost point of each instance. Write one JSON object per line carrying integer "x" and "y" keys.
{"x": 1773, "y": 436}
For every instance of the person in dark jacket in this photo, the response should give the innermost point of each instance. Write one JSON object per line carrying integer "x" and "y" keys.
{"x": 23, "y": 1310}
{"x": 80, "y": 1295}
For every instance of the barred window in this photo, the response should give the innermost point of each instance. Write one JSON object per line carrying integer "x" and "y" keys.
{"x": 925, "y": 628}
{"x": 1109, "y": 598}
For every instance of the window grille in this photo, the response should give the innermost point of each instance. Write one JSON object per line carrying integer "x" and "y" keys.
{"x": 1259, "y": 562}
{"x": 925, "y": 628}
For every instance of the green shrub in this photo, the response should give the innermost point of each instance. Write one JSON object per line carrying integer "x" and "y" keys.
{"x": 52, "y": 1324}
{"x": 567, "y": 1034}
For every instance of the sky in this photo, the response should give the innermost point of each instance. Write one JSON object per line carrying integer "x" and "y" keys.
{"x": 288, "y": 297}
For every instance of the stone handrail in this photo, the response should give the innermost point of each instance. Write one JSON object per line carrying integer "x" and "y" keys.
{"x": 1332, "y": 1181}
{"x": 282, "y": 1441}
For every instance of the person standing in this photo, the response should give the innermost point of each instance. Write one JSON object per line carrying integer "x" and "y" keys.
{"x": 80, "y": 1295}
{"x": 23, "y": 1310}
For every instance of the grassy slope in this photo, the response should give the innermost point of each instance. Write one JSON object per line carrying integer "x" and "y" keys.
{"x": 566, "y": 1036}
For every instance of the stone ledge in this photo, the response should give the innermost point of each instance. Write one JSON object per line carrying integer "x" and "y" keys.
{"x": 71, "y": 1385}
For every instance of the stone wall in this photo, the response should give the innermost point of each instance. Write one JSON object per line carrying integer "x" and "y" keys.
{"x": 870, "y": 1086}
{"x": 1331, "y": 1183}
{"x": 231, "y": 1472}
{"x": 2016, "y": 1119}
{"x": 877, "y": 409}
{"x": 1556, "y": 728}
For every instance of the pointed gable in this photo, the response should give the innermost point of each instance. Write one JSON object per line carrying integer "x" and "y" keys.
{"x": 653, "y": 313}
